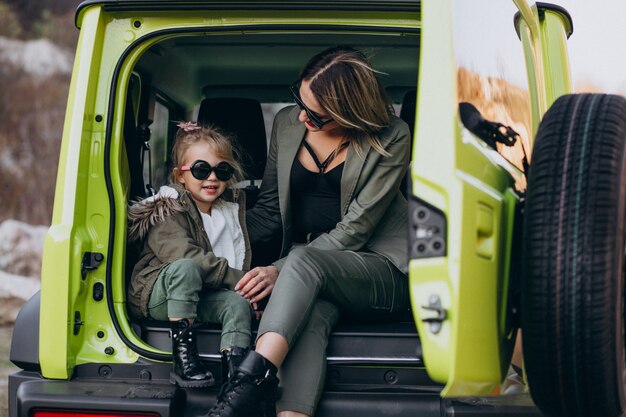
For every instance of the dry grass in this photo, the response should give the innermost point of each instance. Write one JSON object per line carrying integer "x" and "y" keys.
{"x": 32, "y": 112}
{"x": 502, "y": 102}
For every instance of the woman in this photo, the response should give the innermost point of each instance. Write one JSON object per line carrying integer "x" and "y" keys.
{"x": 331, "y": 185}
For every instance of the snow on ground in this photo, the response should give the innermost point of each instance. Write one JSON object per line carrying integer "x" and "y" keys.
{"x": 21, "y": 247}
{"x": 39, "y": 57}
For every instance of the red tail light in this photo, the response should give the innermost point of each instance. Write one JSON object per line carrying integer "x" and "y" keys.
{"x": 68, "y": 413}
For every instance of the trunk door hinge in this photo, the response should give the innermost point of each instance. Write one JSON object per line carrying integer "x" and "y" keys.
{"x": 91, "y": 261}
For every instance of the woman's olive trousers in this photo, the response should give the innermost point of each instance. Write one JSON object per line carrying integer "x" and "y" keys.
{"x": 179, "y": 293}
{"x": 313, "y": 289}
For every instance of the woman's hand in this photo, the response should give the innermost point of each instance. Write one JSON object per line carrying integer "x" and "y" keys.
{"x": 257, "y": 283}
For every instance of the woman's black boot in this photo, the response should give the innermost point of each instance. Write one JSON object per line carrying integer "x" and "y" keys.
{"x": 231, "y": 359}
{"x": 189, "y": 372}
{"x": 250, "y": 391}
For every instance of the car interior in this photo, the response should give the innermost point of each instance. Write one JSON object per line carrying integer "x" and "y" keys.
{"x": 238, "y": 81}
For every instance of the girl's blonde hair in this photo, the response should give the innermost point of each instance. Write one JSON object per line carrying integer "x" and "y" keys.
{"x": 218, "y": 142}
{"x": 346, "y": 86}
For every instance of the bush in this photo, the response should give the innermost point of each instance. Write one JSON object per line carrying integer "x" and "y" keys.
{"x": 10, "y": 26}
{"x": 48, "y": 27}
{"x": 32, "y": 113}
{"x": 33, "y": 19}
{"x": 32, "y": 110}
{"x": 30, "y": 11}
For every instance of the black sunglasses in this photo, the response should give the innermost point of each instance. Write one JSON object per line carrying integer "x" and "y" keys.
{"x": 314, "y": 118}
{"x": 201, "y": 170}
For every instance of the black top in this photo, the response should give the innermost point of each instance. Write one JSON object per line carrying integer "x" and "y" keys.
{"x": 315, "y": 199}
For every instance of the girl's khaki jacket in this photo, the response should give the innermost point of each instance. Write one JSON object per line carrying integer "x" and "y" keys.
{"x": 168, "y": 229}
{"x": 374, "y": 211}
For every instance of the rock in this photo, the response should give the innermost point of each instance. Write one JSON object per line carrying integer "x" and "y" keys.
{"x": 39, "y": 57}
{"x": 21, "y": 248}
{"x": 10, "y": 305}
{"x": 15, "y": 286}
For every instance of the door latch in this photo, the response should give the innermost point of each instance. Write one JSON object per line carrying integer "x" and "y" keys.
{"x": 435, "y": 322}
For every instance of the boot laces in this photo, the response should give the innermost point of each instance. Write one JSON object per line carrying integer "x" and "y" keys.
{"x": 228, "y": 391}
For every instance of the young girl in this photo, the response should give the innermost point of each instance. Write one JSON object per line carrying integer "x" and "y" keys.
{"x": 194, "y": 250}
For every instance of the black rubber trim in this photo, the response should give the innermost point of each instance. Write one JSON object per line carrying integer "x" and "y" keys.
{"x": 166, "y": 5}
{"x": 542, "y": 7}
{"x": 25, "y": 340}
{"x": 109, "y": 128}
{"x": 33, "y": 393}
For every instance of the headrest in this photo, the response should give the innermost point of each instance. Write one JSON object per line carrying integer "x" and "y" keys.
{"x": 243, "y": 118}
{"x": 407, "y": 111}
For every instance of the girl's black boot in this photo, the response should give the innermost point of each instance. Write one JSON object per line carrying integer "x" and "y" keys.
{"x": 188, "y": 372}
{"x": 231, "y": 359}
{"x": 250, "y": 390}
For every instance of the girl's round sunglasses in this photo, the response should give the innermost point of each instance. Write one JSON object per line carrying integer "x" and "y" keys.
{"x": 201, "y": 170}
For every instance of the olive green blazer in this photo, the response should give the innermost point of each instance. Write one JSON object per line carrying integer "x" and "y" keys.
{"x": 374, "y": 211}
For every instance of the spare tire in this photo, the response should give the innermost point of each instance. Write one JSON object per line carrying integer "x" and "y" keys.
{"x": 573, "y": 251}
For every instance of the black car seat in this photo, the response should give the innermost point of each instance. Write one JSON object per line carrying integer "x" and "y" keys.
{"x": 242, "y": 118}
{"x": 407, "y": 113}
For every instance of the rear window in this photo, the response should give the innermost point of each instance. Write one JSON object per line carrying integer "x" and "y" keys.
{"x": 491, "y": 72}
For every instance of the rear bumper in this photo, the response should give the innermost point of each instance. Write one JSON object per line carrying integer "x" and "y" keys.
{"x": 28, "y": 391}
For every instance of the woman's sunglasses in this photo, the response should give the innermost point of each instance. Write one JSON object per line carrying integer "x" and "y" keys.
{"x": 314, "y": 118}
{"x": 201, "y": 170}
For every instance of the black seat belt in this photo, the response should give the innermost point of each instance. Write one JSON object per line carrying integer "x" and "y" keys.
{"x": 143, "y": 134}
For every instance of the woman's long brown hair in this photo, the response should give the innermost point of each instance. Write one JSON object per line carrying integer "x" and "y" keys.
{"x": 347, "y": 87}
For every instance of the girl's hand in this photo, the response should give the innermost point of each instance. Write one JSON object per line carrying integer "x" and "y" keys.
{"x": 257, "y": 283}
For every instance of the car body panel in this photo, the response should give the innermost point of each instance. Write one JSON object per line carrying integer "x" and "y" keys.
{"x": 79, "y": 220}
{"x": 475, "y": 189}
{"x": 544, "y": 34}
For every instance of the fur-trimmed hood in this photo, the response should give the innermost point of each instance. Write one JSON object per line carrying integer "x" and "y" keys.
{"x": 144, "y": 214}
{"x": 171, "y": 199}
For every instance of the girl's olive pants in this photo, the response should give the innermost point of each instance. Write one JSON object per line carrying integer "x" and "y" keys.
{"x": 179, "y": 293}
{"x": 313, "y": 289}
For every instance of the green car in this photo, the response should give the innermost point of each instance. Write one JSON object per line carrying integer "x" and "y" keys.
{"x": 516, "y": 191}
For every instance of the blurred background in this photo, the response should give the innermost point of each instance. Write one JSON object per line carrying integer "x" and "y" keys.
{"x": 37, "y": 41}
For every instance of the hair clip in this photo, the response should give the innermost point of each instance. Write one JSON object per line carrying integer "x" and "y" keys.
{"x": 188, "y": 126}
